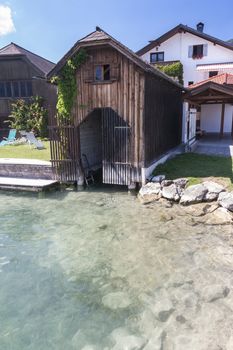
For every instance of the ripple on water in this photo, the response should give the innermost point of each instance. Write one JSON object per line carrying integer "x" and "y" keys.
{"x": 97, "y": 270}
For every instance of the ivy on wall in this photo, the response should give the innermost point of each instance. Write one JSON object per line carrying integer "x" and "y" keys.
{"x": 67, "y": 85}
{"x": 174, "y": 70}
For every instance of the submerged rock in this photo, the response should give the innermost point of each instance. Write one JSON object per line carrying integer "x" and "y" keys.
{"x": 117, "y": 300}
{"x": 213, "y": 190}
{"x": 156, "y": 341}
{"x": 229, "y": 345}
{"x": 201, "y": 209}
{"x": 214, "y": 292}
{"x": 163, "y": 309}
{"x": 220, "y": 216}
{"x": 125, "y": 341}
{"x": 193, "y": 194}
{"x": 149, "y": 192}
{"x": 225, "y": 199}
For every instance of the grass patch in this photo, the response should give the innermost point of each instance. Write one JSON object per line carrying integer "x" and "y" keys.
{"x": 25, "y": 151}
{"x": 198, "y": 167}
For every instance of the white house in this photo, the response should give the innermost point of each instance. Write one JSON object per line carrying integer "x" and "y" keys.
{"x": 202, "y": 57}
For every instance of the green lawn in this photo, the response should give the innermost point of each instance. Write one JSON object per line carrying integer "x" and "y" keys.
{"x": 197, "y": 167}
{"x": 25, "y": 151}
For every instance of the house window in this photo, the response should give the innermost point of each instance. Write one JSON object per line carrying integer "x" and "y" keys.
{"x": 156, "y": 57}
{"x": 15, "y": 89}
{"x": 197, "y": 51}
{"x": 8, "y": 89}
{"x": 213, "y": 73}
{"x": 2, "y": 90}
{"x": 102, "y": 72}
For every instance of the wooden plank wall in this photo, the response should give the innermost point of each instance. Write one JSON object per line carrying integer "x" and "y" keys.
{"x": 125, "y": 95}
{"x": 163, "y": 117}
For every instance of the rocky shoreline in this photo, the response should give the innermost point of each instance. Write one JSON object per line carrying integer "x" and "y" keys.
{"x": 208, "y": 199}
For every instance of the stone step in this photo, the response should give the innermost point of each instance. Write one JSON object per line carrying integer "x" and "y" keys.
{"x": 23, "y": 184}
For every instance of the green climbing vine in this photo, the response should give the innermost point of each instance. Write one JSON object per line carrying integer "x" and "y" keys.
{"x": 174, "y": 70}
{"x": 67, "y": 85}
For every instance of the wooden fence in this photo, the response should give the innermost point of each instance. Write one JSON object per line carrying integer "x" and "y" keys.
{"x": 65, "y": 157}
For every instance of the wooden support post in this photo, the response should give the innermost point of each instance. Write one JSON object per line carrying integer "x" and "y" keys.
{"x": 232, "y": 127}
{"x": 222, "y": 120}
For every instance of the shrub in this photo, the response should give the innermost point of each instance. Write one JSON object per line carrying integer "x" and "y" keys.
{"x": 29, "y": 115}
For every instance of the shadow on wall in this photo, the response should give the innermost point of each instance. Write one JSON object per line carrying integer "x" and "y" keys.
{"x": 197, "y": 165}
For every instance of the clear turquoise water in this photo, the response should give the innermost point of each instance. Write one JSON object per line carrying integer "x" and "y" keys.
{"x": 88, "y": 270}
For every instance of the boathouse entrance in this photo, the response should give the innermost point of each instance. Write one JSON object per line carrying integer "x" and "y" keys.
{"x": 105, "y": 142}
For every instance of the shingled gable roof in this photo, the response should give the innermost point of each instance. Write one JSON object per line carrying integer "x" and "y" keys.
{"x": 181, "y": 28}
{"x": 100, "y": 37}
{"x": 39, "y": 62}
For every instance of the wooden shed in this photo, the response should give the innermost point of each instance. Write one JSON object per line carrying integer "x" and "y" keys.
{"x": 22, "y": 75}
{"x": 127, "y": 114}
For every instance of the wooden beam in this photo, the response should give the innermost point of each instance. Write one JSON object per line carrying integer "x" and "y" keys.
{"x": 212, "y": 97}
{"x": 222, "y": 120}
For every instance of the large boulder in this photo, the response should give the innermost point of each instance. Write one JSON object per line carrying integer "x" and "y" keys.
{"x": 157, "y": 178}
{"x": 166, "y": 183}
{"x": 150, "y": 192}
{"x": 225, "y": 199}
{"x": 182, "y": 182}
{"x": 193, "y": 194}
{"x": 170, "y": 192}
{"x": 213, "y": 190}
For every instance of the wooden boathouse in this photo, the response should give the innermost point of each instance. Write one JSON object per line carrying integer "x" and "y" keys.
{"x": 126, "y": 115}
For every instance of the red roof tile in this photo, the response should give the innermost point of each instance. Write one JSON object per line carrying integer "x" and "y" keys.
{"x": 224, "y": 78}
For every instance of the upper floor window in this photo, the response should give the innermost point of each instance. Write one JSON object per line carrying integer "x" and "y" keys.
{"x": 197, "y": 51}
{"x": 213, "y": 73}
{"x": 102, "y": 72}
{"x": 156, "y": 57}
{"x": 15, "y": 89}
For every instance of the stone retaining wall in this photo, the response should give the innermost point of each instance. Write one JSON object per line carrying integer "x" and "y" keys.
{"x": 30, "y": 171}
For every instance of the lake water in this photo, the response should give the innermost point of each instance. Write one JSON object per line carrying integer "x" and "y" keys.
{"x": 97, "y": 270}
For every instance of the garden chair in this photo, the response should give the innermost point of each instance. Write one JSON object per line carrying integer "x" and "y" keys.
{"x": 88, "y": 173}
{"x": 32, "y": 140}
{"x": 10, "y": 139}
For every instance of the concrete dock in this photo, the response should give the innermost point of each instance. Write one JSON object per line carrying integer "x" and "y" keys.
{"x": 26, "y": 175}
{"x": 22, "y": 184}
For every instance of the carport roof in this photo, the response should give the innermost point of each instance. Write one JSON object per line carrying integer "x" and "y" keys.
{"x": 209, "y": 92}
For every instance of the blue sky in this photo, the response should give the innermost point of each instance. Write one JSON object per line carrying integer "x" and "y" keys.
{"x": 50, "y": 27}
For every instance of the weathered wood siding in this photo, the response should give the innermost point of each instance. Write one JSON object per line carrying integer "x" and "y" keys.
{"x": 163, "y": 117}
{"x": 124, "y": 94}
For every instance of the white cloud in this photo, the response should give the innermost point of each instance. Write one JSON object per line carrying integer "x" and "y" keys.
{"x": 6, "y": 21}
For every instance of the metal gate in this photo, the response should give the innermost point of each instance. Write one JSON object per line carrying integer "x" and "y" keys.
{"x": 65, "y": 152}
{"x": 115, "y": 148}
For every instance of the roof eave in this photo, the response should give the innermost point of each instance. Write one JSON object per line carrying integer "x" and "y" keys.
{"x": 182, "y": 28}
